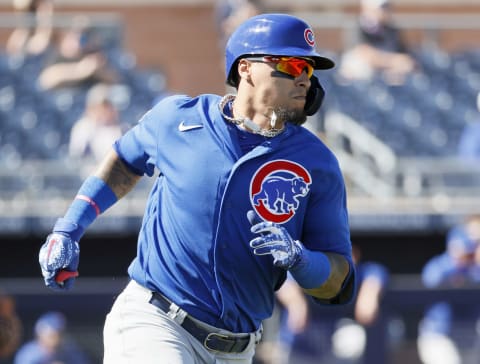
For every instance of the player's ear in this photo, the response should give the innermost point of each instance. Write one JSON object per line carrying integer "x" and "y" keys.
{"x": 243, "y": 69}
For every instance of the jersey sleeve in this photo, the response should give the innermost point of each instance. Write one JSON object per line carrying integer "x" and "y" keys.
{"x": 327, "y": 228}
{"x": 139, "y": 147}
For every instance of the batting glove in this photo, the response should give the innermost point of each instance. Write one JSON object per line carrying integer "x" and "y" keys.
{"x": 59, "y": 255}
{"x": 276, "y": 240}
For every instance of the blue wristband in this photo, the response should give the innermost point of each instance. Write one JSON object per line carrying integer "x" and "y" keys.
{"x": 74, "y": 231}
{"x": 312, "y": 269}
{"x": 99, "y": 192}
{"x": 93, "y": 198}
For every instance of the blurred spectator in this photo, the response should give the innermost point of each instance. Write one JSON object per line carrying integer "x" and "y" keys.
{"x": 469, "y": 144}
{"x": 291, "y": 312}
{"x": 32, "y": 38}
{"x": 293, "y": 299}
{"x": 94, "y": 133}
{"x": 10, "y": 327}
{"x": 79, "y": 60}
{"x": 373, "y": 277}
{"x": 459, "y": 264}
{"x": 457, "y": 267}
{"x": 51, "y": 344}
{"x": 362, "y": 338}
{"x": 337, "y": 335}
{"x": 380, "y": 47}
{"x": 230, "y": 13}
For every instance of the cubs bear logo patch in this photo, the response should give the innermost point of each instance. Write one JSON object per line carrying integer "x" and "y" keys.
{"x": 276, "y": 190}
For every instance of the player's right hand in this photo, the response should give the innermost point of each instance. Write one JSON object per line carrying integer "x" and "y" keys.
{"x": 59, "y": 258}
{"x": 274, "y": 239}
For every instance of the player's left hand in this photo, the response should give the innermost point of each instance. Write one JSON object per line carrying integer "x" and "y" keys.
{"x": 276, "y": 240}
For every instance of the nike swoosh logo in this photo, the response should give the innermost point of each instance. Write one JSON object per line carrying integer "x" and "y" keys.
{"x": 183, "y": 127}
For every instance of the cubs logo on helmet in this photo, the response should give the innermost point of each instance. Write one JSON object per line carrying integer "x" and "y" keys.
{"x": 277, "y": 188}
{"x": 309, "y": 37}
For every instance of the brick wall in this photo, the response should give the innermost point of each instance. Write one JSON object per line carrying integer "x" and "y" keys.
{"x": 182, "y": 41}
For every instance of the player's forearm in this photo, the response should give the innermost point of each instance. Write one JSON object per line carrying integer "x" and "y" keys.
{"x": 111, "y": 181}
{"x": 339, "y": 270}
{"x": 59, "y": 255}
{"x": 116, "y": 174}
{"x": 320, "y": 274}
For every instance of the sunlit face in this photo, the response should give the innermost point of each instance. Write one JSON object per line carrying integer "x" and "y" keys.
{"x": 279, "y": 92}
{"x": 50, "y": 339}
{"x": 103, "y": 113}
{"x": 377, "y": 14}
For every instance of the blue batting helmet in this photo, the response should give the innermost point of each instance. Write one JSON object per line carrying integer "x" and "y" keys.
{"x": 50, "y": 321}
{"x": 272, "y": 34}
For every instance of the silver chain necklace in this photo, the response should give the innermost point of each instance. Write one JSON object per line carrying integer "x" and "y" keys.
{"x": 249, "y": 124}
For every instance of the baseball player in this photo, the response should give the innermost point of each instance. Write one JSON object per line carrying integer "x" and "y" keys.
{"x": 449, "y": 332}
{"x": 243, "y": 195}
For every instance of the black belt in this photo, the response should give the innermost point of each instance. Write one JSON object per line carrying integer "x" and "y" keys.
{"x": 211, "y": 340}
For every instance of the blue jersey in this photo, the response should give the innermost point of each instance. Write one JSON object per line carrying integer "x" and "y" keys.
{"x": 34, "y": 353}
{"x": 365, "y": 270}
{"x": 193, "y": 245}
{"x": 444, "y": 270}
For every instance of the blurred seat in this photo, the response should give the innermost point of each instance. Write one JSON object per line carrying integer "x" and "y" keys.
{"x": 425, "y": 115}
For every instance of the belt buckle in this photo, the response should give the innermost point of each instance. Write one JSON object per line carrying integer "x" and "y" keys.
{"x": 214, "y": 334}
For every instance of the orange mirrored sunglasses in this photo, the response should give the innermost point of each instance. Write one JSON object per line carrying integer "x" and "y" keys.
{"x": 291, "y": 66}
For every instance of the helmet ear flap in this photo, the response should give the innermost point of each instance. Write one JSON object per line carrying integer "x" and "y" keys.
{"x": 233, "y": 78}
{"x": 315, "y": 96}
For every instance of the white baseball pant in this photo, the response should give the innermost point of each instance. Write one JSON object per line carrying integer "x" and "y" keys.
{"x": 138, "y": 332}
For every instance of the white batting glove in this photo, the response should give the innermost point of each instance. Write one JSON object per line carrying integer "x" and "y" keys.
{"x": 59, "y": 255}
{"x": 276, "y": 240}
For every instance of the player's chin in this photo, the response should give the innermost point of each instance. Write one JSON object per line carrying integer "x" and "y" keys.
{"x": 300, "y": 118}
{"x": 294, "y": 115}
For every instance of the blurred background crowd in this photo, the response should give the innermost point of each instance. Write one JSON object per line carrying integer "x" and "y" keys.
{"x": 402, "y": 113}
